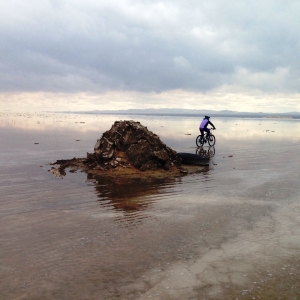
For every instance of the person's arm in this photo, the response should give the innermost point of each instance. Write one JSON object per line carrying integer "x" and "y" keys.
{"x": 210, "y": 123}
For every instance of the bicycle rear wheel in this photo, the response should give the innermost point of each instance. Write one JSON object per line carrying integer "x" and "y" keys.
{"x": 201, "y": 151}
{"x": 199, "y": 141}
{"x": 211, "y": 140}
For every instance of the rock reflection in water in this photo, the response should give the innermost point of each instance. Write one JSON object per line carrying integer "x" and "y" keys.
{"x": 128, "y": 195}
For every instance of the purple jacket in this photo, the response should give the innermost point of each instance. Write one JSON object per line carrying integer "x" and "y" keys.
{"x": 204, "y": 124}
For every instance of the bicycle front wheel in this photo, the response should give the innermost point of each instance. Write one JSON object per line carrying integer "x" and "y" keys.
{"x": 211, "y": 151}
{"x": 199, "y": 141}
{"x": 211, "y": 140}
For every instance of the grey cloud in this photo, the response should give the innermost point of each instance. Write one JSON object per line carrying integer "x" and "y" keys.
{"x": 147, "y": 46}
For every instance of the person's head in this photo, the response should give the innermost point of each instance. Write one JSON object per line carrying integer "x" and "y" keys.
{"x": 206, "y": 117}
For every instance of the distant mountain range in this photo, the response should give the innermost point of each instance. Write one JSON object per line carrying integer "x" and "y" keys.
{"x": 191, "y": 112}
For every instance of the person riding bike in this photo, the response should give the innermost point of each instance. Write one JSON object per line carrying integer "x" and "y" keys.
{"x": 203, "y": 127}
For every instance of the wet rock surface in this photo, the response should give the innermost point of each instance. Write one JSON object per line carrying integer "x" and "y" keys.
{"x": 128, "y": 147}
{"x": 129, "y": 142}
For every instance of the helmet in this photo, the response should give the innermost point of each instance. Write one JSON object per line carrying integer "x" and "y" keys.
{"x": 206, "y": 117}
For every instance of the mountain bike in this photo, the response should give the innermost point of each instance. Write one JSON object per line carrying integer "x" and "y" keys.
{"x": 208, "y": 138}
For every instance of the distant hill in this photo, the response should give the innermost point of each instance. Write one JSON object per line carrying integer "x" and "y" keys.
{"x": 191, "y": 112}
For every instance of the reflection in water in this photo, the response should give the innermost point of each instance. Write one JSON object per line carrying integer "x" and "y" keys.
{"x": 128, "y": 196}
{"x": 206, "y": 151}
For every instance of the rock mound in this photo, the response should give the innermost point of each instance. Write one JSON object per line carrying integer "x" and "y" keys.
{"x": 127, "y": 144}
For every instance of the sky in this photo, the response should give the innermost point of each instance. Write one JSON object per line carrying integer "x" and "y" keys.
{"x": 58, "y": 55}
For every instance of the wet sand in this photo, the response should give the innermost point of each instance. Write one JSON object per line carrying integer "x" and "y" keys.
{"x": 231, "y": 232}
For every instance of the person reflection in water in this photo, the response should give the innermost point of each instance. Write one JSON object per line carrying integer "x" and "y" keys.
{"x": 203, "y": 126}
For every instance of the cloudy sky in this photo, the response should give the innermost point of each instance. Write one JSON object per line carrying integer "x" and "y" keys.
{"x": 112, "y": 54}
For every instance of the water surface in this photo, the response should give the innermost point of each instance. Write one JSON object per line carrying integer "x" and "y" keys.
{"x": 229, "y": 232}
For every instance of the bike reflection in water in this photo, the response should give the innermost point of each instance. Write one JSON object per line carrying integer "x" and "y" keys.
{"x": 207, "y": 152}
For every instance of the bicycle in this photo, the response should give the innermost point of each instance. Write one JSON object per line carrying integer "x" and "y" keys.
{"x": 210, "y": 139}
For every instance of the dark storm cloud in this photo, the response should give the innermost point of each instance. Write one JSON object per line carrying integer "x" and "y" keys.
{"x": 73, "y": 46}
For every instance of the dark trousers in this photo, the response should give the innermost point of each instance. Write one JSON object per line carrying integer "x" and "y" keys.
{"x": 202, "y": 132}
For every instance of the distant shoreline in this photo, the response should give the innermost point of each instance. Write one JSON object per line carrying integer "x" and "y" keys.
{"x": 191, "y": 113}
{"x": 279, "y": 117}
{"x": 188, "y": 113}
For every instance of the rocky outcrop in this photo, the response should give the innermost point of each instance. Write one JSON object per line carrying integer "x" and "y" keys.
{"x": 129, "y": 143}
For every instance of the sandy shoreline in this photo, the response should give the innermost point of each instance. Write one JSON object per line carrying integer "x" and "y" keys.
{"x": 78, "y": 164}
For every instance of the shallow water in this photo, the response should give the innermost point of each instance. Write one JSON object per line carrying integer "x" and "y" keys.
{"x": 229, "y": 232}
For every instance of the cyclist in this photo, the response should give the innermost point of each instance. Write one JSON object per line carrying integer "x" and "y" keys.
{"x": 203, "y": 126}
